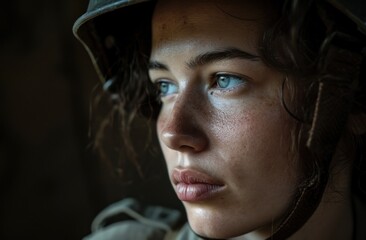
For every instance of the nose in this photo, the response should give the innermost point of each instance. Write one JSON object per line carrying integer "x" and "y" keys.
{"x": 183, "y": 126}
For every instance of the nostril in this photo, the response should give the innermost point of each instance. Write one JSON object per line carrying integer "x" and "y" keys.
{"x": 185, "y": 148}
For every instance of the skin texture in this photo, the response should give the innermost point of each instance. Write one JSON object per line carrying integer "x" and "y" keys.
{"x": 238, "y": 135}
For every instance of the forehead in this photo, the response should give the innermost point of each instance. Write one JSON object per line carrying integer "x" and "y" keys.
{"x": 211, "y": 21}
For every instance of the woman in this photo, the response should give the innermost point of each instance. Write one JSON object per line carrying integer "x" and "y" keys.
{"x": 261, "y": 109}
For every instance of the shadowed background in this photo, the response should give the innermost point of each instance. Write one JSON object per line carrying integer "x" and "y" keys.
{"x": 52, "y": 185}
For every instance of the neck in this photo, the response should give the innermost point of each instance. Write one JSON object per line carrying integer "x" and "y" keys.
{"x": 333, "y": 219}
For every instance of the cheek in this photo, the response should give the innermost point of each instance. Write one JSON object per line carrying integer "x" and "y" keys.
{"x": 259, "y": 127}
{"x": 258, "y": 153}
{"x": 257, "y": 143}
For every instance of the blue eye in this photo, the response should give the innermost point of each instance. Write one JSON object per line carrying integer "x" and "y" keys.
{"x": 166, "y": 88}
{"x": 227, "y": 81}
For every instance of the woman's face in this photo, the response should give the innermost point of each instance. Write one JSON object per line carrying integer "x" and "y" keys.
{"x": 222, "y": 129}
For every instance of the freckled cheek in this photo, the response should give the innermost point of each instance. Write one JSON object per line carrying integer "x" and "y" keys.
{"x": 252, "y": 134}
{"x": 254, "y": 150}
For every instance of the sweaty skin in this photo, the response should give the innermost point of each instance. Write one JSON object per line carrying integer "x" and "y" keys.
{"x": 223, "y": 131}
{"x": 234, "y": 130}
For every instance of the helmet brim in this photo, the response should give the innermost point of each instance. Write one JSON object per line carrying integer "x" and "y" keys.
{"x": 87, "y": 32}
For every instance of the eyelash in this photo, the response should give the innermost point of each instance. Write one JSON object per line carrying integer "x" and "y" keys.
{"x": 215, "y": 78}
{"x": 159, "y": 84}
{"x": 238, "y": 80}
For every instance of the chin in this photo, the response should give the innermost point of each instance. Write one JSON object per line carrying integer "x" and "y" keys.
{"x": 213, "y": 225}
{"x": 218, "y": 233}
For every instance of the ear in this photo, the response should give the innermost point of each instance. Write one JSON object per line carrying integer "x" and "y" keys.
{"x": 357, "y": 123}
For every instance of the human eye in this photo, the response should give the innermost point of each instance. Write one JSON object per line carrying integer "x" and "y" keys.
{"x": 165, "y": 88}
{"x": 225, "y": 81}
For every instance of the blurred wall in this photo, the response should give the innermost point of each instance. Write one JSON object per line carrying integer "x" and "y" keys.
{"x": 50, "y": 187}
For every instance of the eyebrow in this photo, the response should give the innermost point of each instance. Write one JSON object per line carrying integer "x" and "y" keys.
{"x": 209, "y": 57}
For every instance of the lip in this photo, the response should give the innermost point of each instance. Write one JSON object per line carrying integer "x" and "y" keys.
{"x": 192, "y": 185}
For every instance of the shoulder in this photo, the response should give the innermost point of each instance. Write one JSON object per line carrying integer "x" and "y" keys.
{"x": 127, "y": 219}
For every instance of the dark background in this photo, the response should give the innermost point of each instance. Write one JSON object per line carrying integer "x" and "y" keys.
{"x": 51, "y": 183}
{"x": 47, "y": 177}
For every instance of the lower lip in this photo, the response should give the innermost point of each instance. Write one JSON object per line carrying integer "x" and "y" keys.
{"x": 196, "y": 191}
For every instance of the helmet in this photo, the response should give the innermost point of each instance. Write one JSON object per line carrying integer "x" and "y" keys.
{"x": 91, "y": 29}
{"x": 355, "y": 10}
{"x": 108, "y": 20}
{"x": 96, "y": 29}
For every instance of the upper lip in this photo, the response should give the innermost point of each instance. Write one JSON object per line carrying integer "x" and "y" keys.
{"x": 192, "y": 176}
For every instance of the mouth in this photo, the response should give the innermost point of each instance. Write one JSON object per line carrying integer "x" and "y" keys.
{"x": 192, "y": 186}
